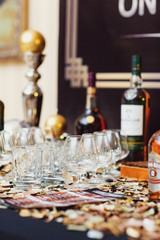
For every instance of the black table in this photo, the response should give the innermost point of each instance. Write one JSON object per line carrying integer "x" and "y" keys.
{"x": 14, "y": 227}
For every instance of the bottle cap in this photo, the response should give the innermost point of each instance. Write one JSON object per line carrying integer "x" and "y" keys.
{"x": 91, "y": 79}
{"x": 136, "y": 62}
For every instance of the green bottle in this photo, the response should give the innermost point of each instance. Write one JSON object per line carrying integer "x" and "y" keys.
{"x": 135, "y": 113}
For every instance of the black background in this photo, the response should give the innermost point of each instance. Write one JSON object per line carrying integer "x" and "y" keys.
{"x": 100, "y": 27}
{"x": 14, "y": 227}
{"x": 100, "y": 41}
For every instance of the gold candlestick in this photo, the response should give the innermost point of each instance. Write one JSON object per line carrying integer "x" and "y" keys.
{"x": 32, "y": 44}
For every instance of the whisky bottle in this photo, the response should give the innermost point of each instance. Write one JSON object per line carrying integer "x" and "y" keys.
{"x": 135, "y": 112}
{"x": 154, "y": 166}
{"x": 90, "y": 120}
{"x": 1, "y": 115}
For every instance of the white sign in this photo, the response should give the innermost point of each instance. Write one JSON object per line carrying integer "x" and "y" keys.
{"x": 137, "y": 5}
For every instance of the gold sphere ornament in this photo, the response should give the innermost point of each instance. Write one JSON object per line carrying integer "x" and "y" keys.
{"x": 58, "y": 124}
{"x": 31, "y": 41}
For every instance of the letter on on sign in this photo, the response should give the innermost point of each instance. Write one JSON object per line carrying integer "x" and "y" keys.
{"x": 137, "y": 5}
{"x": 131, "y": 11}
{"x": 151, "y": 5}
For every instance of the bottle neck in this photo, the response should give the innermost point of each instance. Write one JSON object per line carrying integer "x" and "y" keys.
{"x": 91, "y": 98}
{"x": 136, "y": 79}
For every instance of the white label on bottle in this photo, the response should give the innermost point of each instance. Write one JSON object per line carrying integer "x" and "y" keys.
{"x": 132, "y": 119}
{"x": 154, "y": 172}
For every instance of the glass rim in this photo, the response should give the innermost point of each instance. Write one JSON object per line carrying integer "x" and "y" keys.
{"x": 27, "y": 146}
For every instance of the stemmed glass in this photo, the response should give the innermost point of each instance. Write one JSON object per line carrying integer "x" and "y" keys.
{"x": 48, "y": 133}
{"x": 6, "y": 156}
{"x": 88, "y": 158}
{"x": 124, "y": 143}
{"x": 35, "y": 136}
{"x": 71, "y": 166}
{"x": 115, "y": 146}
{"x": 58, "y": 146}
{"x": 20, "y": 138}
{"x": 104, "y": 151}
{"x": 5, "y": 148}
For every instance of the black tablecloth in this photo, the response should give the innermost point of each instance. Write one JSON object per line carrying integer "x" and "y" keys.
{"x": 14, "y": 227}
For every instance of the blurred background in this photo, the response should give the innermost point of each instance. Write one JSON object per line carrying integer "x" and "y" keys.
{"x": 42, "y": 16}
{"x": 83, "y": 36}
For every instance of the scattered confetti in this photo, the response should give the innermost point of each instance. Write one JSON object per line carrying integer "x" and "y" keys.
{"x": 130, "y": 213}
{"x": 95, "y": 234}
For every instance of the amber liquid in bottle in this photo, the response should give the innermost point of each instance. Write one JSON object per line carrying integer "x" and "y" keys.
{"x": 135, "y": 112}
{"x": 90, "y": 120}
{"x": 154, "y": 166}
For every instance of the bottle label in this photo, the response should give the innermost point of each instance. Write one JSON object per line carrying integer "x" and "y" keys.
{"x": 132, "y": 118}
{"x": 154, "y": 172}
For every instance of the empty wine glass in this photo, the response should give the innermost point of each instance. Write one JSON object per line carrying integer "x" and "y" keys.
{"x": 71, "y": 166}
{"x": 20, "y": 138}
{"x": 115, "y": 145}
{"x": 6, "y": 155}
{"x": 48, "y": 133}
{"x": 103, "y": 150}
{"x": 51, "y": 165}
{"x": 5, "y": 148}
{"x": 88, "y": 158}
{"x": 124, "y": 143}
{"x": 59, "y": 154}
{"x": 35, "y": 136}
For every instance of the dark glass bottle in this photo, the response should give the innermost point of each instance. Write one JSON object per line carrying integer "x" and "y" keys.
{"x": 1, "y": 115}
{"x": 90, "y": 120}
{"x": 135, "y": 113}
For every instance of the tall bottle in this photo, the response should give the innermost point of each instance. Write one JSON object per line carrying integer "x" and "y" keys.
{"x": 90, "y": 120}
{"x": 1, "y": 115}
{"x": 154, "y": 166}
{"x": 135, "y": 112}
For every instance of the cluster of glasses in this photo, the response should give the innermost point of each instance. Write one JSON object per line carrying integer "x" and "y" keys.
{"x": 40, "y": 160}
{"x": 91, "y": 158}
{"x": 35, "y": 157}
